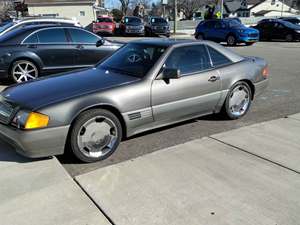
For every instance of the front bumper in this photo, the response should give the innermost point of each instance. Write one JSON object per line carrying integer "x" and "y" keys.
{"x": 103, "y": 31}
{"x": 36, "y": 143}
{"x": 260, "y": 87}
{"x": 248, "y": 39}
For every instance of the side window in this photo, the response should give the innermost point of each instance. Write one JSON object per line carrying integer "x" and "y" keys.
{"x": 52, "y": 36}
{"x": 189, "y": 59}
{"x": 81, "y": 36}
{"x": 218, "y": 59}
{"x": 32, "y": 39}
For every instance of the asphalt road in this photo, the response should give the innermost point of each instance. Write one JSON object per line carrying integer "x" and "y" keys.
{"x": 280, "y": 99}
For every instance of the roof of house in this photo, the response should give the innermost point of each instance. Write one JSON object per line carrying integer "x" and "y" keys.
{"x": 290, "y": 3}
{"x": 58, "y": 2}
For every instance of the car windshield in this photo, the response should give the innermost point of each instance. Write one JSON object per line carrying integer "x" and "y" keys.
{"x": 6, "y": 26}
{"x": 158, "y": 20}
{"x": 291, "y": 25}
{"x": 104, "y": 20}
{"x": 133, "y": 59}
{"x": 132, "y": 20}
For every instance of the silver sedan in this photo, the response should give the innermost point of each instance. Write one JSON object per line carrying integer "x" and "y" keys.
{"x": 145, "y": 85}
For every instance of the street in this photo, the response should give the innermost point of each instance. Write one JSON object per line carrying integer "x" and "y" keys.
{"x": 281, "y": 98}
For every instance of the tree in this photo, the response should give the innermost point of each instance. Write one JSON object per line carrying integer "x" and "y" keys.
{"x": 5, "y": 7}
{"x": 117, "y": 14}
{"x": 124, "y": 5}
{"x": 188, "y": 7}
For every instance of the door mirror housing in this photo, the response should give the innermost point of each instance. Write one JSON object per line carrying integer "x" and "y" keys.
{"x": 100, "y": 42}
{"x": 170, "y": 73}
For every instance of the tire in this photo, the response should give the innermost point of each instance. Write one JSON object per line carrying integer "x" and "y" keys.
{"x": 231, "y": 40}
{"x": 95, "y": 135}
{"x": 200, "y": 37}
{"x": 233, "y": 96}
{"x": 249, "y": 43}
{"x": 23, "y": 70}
{"x": 289, "y": 38}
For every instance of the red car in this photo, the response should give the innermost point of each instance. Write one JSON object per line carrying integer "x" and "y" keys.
{"x": 104, "y": 25}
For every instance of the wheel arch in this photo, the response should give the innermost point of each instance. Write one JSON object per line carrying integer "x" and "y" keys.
{"x": 108, "y": 107}
{"x": 251, "y": 85}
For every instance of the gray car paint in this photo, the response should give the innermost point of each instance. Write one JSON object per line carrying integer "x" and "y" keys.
{"x": 144, "y": 104}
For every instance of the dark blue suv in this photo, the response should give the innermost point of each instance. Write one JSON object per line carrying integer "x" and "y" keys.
{"x": 226, "y": 30}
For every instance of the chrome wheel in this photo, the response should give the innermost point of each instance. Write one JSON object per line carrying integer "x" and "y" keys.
{"x": 97, "y": 137}
{"x": 239, "y": 100}
{"x": 24, "y": 71}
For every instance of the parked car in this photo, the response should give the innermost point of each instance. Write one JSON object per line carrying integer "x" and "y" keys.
{"x": 278, "y": 30}
{"x": 33, "y": 51}
{"x": 104, "y": 25}
{"x": 226, "y": 30}
{"x": 144, "y": 85}
{"x": 293, "y": 20}
{"x": 132, "y": 25}
{"x": 13, "y": 25}
{"x": 157, "y": 26}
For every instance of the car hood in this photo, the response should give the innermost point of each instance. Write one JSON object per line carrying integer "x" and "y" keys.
{"x": 57, "y": 88}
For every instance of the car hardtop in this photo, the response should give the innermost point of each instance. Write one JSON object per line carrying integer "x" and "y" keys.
{"x": 18, "y": 35}
{"x": 172, "y": 42}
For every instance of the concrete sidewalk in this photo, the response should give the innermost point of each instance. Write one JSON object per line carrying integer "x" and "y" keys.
{"x": 245, "y": 176}
{"x": 41, "y": 193}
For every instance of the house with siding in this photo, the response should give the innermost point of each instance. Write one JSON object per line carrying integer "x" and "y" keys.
{"x": 84, "y": 11}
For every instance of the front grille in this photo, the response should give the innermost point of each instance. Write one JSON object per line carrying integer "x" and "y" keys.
{"x": 6, "y": 112}
{"x": 253, "y": 35}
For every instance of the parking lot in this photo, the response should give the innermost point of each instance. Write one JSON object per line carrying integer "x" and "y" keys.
{"x": 281, "y": 98}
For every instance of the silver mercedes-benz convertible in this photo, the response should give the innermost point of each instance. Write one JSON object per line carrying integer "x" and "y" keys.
{"x": 144, "y": 85}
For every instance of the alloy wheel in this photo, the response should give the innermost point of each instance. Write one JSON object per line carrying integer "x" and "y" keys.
{"x": 231, "y": 40}
{"x": 97, "y": 137}
{"x": 23, "y": 71}
{"x": 239, "y": 100}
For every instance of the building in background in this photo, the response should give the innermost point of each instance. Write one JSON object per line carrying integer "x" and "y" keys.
{"x": 85, "y": 11}
{"x": 275, "y": 8}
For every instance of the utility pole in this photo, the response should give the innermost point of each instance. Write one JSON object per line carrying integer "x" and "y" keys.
{"x": 222, "y": 8}
{"x": 175, "y": 16}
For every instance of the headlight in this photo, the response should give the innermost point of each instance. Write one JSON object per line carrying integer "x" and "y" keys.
{"x": 242, "y": 31}
{"x": 298, "y": 31}
{"x": 30, "y": 120}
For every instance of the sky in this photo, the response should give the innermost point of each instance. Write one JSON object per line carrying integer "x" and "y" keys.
{"x": 116, "y": 3}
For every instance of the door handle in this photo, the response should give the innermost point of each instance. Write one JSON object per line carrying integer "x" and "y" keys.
{"x": 214, "y": 78}
{"x": 31, "y": 46}
{"x": 79, "y": 47}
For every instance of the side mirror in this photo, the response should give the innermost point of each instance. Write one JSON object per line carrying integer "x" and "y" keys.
{"x": 100, "y": 42}
{"x": 170, "y": 73}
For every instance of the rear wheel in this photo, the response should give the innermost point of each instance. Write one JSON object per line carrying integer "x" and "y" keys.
{"x": 24, "y": 70}
{"x": 231, "y": 40}
{"x": 95, "y": 135}
{"x": 238, "y": 101}
{"x": 200, "y": 37}
{"x": 289, "y": 38}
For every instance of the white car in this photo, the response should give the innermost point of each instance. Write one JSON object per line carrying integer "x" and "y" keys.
{"x": 37, "y": 21}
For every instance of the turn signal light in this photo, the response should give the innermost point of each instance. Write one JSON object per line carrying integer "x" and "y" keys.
{"x": 265, "y": 72}
{"x": 36, "y": 120}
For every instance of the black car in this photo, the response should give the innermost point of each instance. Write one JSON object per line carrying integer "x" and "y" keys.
{"x": 30, "y": 52}
{"x": 293, "y": 20}
{"x": 132, "y": 25}
{"x": 278, "y": 30}
{"x": 157, "y": 26}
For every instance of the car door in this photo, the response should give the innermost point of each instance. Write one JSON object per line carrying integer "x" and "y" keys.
{"x": 209, "y": 30}
{"x": 220, "y": 32}
{"x": 88, "y": 54}
{"x": 196, "y": 92}
{"x": 53, "y": 49}
{"x": 279, "y": 31}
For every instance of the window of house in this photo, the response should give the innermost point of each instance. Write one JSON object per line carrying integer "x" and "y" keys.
{"x": 82, "y": 13}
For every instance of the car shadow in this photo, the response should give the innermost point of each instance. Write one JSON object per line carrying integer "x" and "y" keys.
{"x": 9, "y": 154}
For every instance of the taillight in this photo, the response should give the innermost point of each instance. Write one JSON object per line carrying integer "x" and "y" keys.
{"x": 265, "y": 72}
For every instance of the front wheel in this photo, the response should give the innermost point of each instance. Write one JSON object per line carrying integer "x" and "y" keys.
{"x": 95, "y": 135}
{"x": 24, "y": 70}
{"x": 231, "y": 40}
{"x": 289, "y": 38}
{"x": 238, "y": 101}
